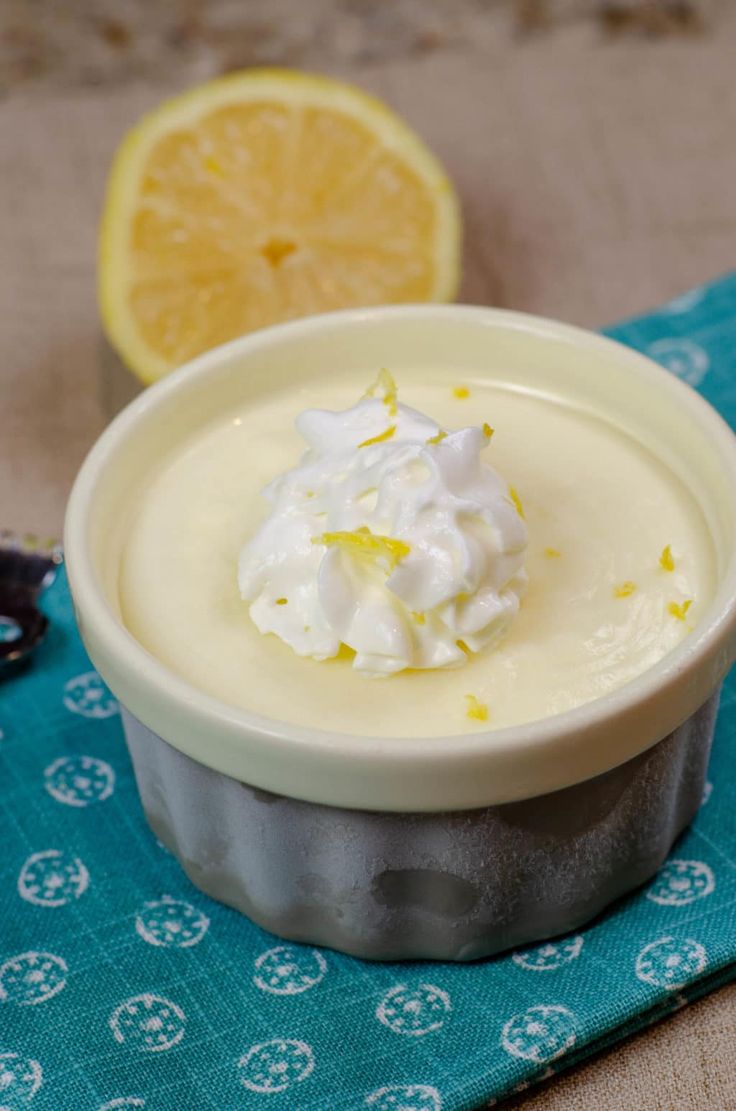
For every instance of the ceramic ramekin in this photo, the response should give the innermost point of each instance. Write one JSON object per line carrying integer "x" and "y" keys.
{"x": 441, "y": 847}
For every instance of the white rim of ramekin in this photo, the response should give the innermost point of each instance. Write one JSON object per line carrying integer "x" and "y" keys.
{"x": 452, "y": 772}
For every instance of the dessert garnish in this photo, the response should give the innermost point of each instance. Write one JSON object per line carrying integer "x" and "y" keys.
{"x": 666, "y": 560}
{"x": 476, "y": 710}
{"x": 517, "y": 502}
{"x": 391, "y": 537}
{"x": 679, "y": 609}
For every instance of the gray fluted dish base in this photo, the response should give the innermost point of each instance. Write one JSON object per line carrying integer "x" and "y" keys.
{"x": 445, "y": 886}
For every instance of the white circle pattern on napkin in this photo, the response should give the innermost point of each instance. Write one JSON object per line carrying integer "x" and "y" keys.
{"x": 671, "y": 962}
{"x": 79, "y": 780}
{"x": 541, "y": 1033}
{"x": 32, "y": 978}
{"x": 171, "y": 923}
{"x": 550, "y": 956}
{"x": 414, "y": 1011}
{"x": 87, "y": 695}
{"x": 20, "y": 1079}
{"x": 52, "y": 878}
{"x": 681, "y": 882}
{"x": 148, "y": 1022}
{"x": 405, "y": 1097}
{"x": 288, "y": 970}
{"x": 276, "y": 1065}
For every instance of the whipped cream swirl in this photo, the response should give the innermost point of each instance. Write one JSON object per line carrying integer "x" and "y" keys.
{"x": 391, "y": 537}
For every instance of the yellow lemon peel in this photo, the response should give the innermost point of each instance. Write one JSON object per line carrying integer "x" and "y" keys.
{"x": 476, "y": 710}
{"x": 441, "y": 435}
{"x": 419, "y": 618}
{"x": 282, "y": 601}
{"x": 666, "y": 561}
{"x": 487, "y": 430}
{"x": 679, "y": 610}
{"x": 385, "y": 382}
{"x": 463, "y": 647}
{"x": 363, "y": 542}
{"x": 517, "y": 502}
{"x": 625, "y": 590}
{"x": 552, "y": 553}
{"x": 460, "y": 392}
{"x": 381, "y": 438}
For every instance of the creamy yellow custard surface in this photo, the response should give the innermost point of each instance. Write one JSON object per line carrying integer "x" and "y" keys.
{"x": 619, "y": 560}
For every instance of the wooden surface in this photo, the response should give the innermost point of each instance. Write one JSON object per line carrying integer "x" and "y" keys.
{"x": 596, "y": 176}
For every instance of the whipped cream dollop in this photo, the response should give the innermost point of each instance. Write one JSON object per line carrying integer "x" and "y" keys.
{"x": 392, "y": 537}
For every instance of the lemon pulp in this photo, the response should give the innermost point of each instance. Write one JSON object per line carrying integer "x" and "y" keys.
{"x": 263, "y": 196}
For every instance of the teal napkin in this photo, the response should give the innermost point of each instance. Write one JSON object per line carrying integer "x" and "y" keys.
{"x": 122, "y": 986}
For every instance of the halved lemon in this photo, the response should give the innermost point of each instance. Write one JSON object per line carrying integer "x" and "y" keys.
{"x": 261, "y": 196}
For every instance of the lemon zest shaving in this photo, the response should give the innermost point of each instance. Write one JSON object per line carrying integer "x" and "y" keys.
{"x": 487, "y": 430}
{"x": 517, "y": 502}
{"x": 441, "y": 435}
{"x": 666, "y": 561}
{"x": 679, "y": 611}
{"x": 381, "y": 438}
{"x": 281, "y": 601}
{"x": 476, "y": 710}
{"x": 625, "y": 590}
{"x": 460, "y": 392}
{"x": 419, "y": 618}
{"x": 552, "y": 553}
{"x": 386, "y": 382}
{"x": 463, "y": 647}
{"x": 366, "y": 543}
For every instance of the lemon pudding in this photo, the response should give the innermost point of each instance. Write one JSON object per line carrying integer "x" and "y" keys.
{"x": 504, "y": 558}
{"x": 371, "y": 800}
